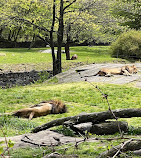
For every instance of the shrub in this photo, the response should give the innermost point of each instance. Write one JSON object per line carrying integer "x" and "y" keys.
{"x": 128, "y": 45}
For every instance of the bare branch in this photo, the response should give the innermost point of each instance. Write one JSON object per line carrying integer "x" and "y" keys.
{"x": 129, "y": 145}
{"x": 31, "y": 23}
{"x": 69, "y": 5}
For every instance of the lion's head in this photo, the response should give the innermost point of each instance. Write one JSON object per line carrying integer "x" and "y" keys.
{"x": 132, "y": 69}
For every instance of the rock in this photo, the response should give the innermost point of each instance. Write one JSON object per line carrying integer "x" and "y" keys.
{"x": 109, "y": 127}
{"x": 2, "y": 54}
{"x": 53, "y": 155}
{"x": 42, "y": 138}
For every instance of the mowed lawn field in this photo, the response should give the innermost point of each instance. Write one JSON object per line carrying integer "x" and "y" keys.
{"x": 79, "y": 97}
{"x": 37, "y": 59}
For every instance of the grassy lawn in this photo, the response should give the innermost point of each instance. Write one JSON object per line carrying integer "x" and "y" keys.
{"x": 79, "y": 97}
{"x": 15, "y": 58}
{"x": 34, "y": 55}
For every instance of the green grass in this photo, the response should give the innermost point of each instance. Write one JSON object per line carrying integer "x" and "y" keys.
{"x": 37, "y": 60}
{"x": 23, "y": 55}
{"x": 93, "y": 54}
{"x": 20, "y": 56}
{"x": 79, "y": 97}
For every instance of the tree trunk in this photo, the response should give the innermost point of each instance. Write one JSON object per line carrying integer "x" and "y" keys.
{"x": 67, "y": 45}
{"x": 67, "y": 51}
{"x": 1, "y": 33}
{"x": 56, "y": 67}
{"x": 9, "y": 35}
{"x": 17, "y": 34}
{"x": 32, "y": 42}
{"x": 91, "y": 117}
{"x": 60, "y": 37}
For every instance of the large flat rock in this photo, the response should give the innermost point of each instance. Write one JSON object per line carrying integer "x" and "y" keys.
{"x": 42, "y": 138}
{"x": 89, "y": 70}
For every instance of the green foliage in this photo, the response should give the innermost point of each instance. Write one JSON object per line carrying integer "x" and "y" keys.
{"x": 53, "y": 80}
{"x": 134, "y": 130}
{"x": 43, "y": 76}
{"x": 19, "y": 16}
{"x": 15, "y": 126}
{"x": 28, "y": 152}
{"x": 5, "y": 146}
{"x": 129, "y": 13}
{"x": 65, "y": 131}
{"x": 128, "y": 45}
{"x": 23, "y": 19}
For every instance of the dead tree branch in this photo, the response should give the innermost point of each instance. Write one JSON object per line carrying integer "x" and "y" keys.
{"x": 129, "y": 145}
{"x": 91, "y": 117}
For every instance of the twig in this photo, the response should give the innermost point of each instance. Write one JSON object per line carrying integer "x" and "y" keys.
{"x": 119, "y": 150}
{"x": 6, "y": 142}
{"x": 106, "y": 97}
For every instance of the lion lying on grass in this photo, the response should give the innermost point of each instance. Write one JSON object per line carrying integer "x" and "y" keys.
{"x": 42, "y": 109}
{"x": 124, "y": 70}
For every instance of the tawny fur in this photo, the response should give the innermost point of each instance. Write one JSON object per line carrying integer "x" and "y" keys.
{"x": 74, "y": 57}
{"x": 42, "y": 109}
{"x": 124, "y": 70}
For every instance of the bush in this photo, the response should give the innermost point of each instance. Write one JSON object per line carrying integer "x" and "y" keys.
{"x": 128, "y": 45}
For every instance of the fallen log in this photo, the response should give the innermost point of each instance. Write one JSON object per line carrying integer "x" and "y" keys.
{"x": 90, "y": 117}
{"x": 137, "y": 152}
{"x": 108, "y": 127}
{"x": 130, "y": 145}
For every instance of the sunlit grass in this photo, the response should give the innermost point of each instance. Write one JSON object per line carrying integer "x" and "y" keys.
{"x": 86, "y": 55}
{"x": 22, "y": 56}
{"x": 79, "y": 98}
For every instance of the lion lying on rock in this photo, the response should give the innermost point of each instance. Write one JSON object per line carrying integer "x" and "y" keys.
{"x": 124, "y": 70}
{"x": 42, "y": 109}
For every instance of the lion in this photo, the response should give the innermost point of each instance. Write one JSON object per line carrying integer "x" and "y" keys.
{"x": 124, "y": 70}
{"x": 42, "y": 109}
{"x": 74, "y": 57}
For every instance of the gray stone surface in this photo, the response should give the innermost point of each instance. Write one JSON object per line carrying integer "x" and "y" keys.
{"x": 88, "y": 70}
{"x": 47, "y": 51}
{"x": 46, "y": 137}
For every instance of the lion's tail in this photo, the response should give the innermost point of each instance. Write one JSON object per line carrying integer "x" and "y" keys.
{"x": 5, "y": 114}
{"x": 93, "y": 75}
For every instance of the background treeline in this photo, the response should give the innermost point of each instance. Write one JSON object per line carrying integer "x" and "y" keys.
{"x": 28, "y": 23}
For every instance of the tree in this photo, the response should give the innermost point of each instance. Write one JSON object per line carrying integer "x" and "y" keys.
{"x": 45, "y": 18}
{"x": 52, "y": 20}
{"x": 130, "y": 13}
{"x": 91, "y": 22}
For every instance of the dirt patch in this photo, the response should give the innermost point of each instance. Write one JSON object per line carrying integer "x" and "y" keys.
{"x": 24, "y": 67}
